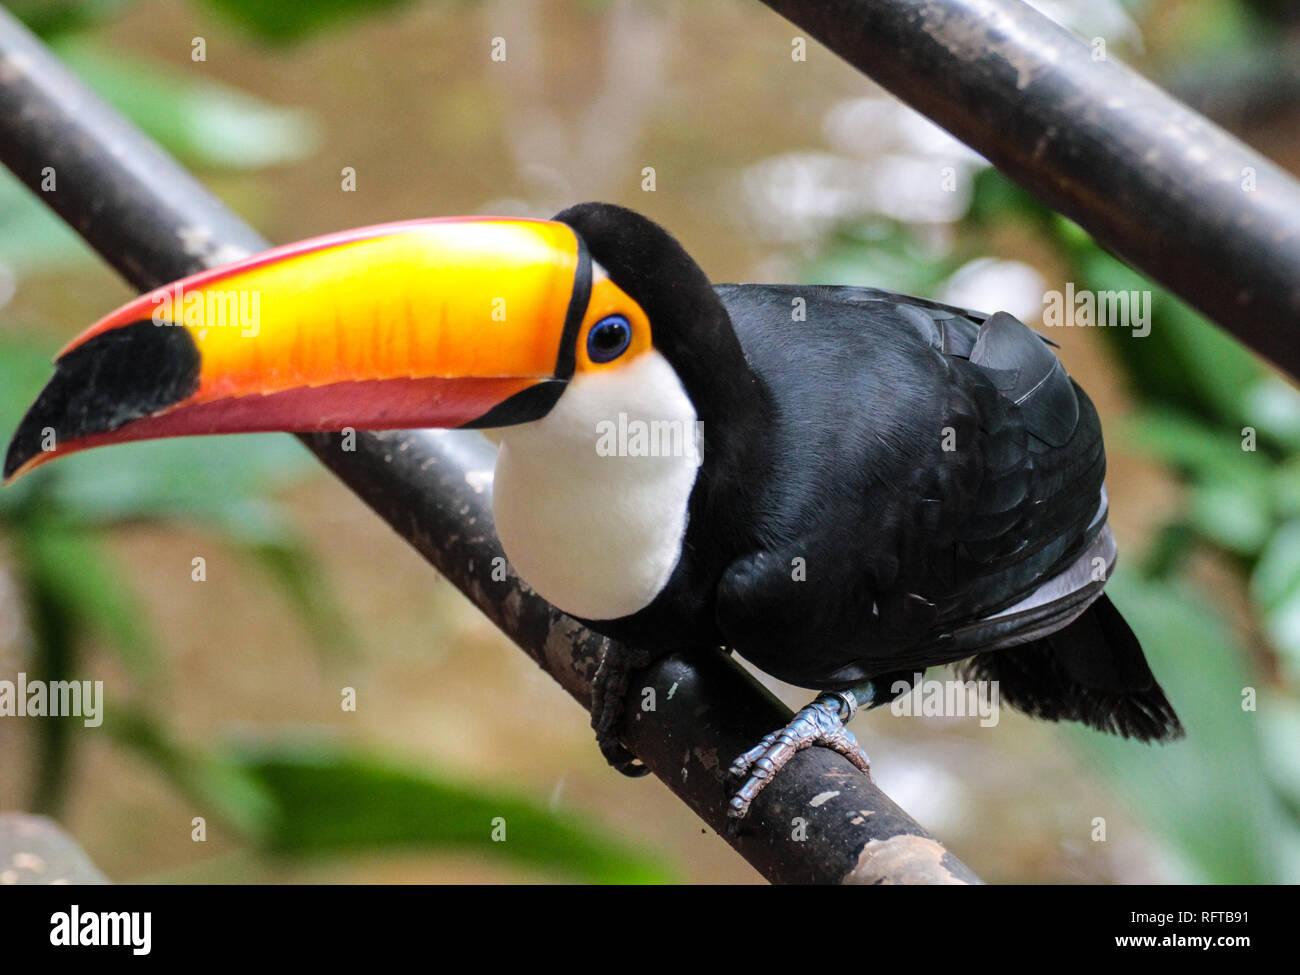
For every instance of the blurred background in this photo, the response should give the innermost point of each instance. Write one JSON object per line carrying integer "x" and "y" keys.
{"x": 224, "y": 695}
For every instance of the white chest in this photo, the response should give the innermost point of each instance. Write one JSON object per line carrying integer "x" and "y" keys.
{"x": 591, "y": 501}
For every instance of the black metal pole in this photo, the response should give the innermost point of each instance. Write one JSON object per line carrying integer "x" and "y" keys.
{"x": 1161, "y": 186}
{"x": 154, "y": 223}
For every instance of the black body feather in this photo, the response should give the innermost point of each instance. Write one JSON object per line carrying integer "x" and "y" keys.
{"x": 888, "y": 484}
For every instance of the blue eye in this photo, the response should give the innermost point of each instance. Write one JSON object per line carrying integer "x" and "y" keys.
{"x": 608, "y": 338}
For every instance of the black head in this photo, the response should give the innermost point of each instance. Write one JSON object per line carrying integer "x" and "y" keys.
{"x": 691, "y": 327}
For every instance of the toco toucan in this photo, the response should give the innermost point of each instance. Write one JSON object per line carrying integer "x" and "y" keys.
{"x": 842, "y": 484}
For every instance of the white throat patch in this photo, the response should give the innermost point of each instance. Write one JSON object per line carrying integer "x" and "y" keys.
{"x": 591, "y": 500}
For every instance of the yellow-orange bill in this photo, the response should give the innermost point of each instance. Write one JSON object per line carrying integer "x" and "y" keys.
{"x": 447, "y": 323}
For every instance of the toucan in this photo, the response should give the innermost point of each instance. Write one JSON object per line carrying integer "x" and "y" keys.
{"x": 844, "y": 485}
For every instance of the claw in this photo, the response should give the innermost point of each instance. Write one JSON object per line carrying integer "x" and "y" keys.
{"x": 742, "y": 764}
{"x": 608, "y": 691}
{"x": 820, "y": 723}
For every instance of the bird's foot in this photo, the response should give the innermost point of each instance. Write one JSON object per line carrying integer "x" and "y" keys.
{"x": 820, "y": 723}
{"x": 608, "y": 694}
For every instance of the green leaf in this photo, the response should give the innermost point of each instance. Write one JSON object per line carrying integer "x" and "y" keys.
{"x": 1281, "y": 727}
{"x": 68, "y": 565}
{"x": 209, "y": 779}
{"x": 1209, "y": 30}
{"x": 1184, "y": 441}
{"x": 315, "y": 799}
{"x": 1233, "y": 491}
{"x": 51, "y": 18}
{"x": 995, "y": 198}
{"x": 1185, "y": 361}
{"x": 1188, "y": 443}
{"x": 1237, "y": 495}
{"x": 54, "y": 658}
{"x": 1273, "y": 405}
{"x": 880, "y": 254}
{"x": 1236, "y": 520}
{"x": 1275, "y": 586}
{"x": 291, "y": 20}
{"x": 331, "y": 801}
{"x": 1277, "y": 574}
{"x": 203, "y": 122}
{"x": 291, "y": 564}
{"x": 1286, "y": 487}
{"x": 1207, "y": 794}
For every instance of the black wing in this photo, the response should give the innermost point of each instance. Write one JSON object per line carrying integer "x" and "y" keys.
{"x": 975, "y": 476}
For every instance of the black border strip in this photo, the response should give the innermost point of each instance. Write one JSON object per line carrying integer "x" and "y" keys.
{"x": 567, "y": 360}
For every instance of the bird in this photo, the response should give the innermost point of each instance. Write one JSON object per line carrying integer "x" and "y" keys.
{"x": 842, "y": 484}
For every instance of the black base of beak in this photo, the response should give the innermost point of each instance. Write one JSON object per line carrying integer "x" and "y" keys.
{"x": 525, "y": 406}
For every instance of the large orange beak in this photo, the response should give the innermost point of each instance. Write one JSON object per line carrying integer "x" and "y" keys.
{"x": 428, "y": 323}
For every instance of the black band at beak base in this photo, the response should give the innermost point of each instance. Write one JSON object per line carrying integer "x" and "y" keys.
{"x": 567, "y": 359}
{"x": 524, "y": 406}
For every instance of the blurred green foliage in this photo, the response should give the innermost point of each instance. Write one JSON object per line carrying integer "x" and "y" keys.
{"x": 281, "y": 21}
{"x": 1210, "y": 795}
{"x": 200, "y": 122}
{"x": 1227, "y": 799}
{"x": 291, "y": 20}
{"x": 286, "y": 798}
{"x": 305, "y": 798}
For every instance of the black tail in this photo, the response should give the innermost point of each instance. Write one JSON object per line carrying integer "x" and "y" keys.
{"x": 1092, "y": 671}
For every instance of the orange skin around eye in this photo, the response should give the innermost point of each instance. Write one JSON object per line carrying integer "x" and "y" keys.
{"x": 607, "y": 299}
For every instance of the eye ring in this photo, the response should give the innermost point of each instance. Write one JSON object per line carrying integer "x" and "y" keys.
{"x": 609, "y": 338}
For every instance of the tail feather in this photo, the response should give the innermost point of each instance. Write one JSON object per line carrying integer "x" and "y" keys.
{"x": 1092, "y": 671}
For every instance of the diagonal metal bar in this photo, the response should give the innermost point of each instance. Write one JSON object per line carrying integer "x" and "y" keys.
{"x": 1160, "y": 185}
{"x": 154, "y": 223}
